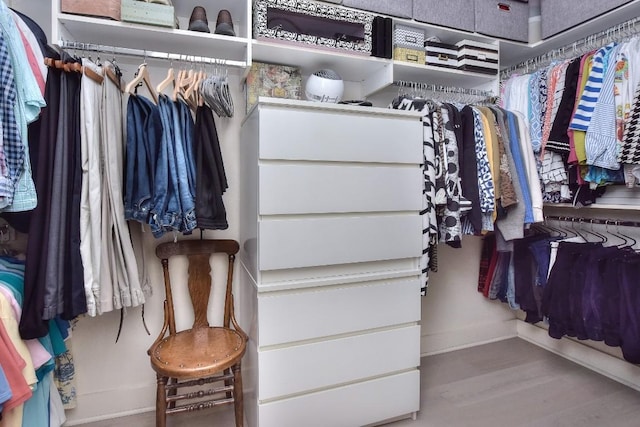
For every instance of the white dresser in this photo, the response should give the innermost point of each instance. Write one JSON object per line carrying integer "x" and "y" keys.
{"x": 329, "y": 280}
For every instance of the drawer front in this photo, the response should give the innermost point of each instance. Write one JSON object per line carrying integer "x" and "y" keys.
{"x": 507, "y": 19}
{"x": 320, "y": 312}
{"x": 314, "y": 366}
{"x": 310, "y": 242}
{"x": 353, "y": 405}
{"x": 560, "y": 15}
{"x": 401, "y": 8}
{"x": 288, "y": 134}
{"x": 455, "y": 14}
{"x": 297, "y": 189}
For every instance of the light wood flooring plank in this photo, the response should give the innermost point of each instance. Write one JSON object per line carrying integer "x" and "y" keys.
{"x": 510, "y": 383}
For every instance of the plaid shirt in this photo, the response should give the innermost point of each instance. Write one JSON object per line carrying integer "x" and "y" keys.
{"x": 29, "y": 101}
{"x": 11, "y": 148}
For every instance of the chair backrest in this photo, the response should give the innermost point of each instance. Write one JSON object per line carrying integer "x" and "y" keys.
{"x": 198, "y": 253}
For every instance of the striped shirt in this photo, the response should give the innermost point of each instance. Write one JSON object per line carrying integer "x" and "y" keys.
{"x": 591, "y": 93}
{"x": 602, "y": 143}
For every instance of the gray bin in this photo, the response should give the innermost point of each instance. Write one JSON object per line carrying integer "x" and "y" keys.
{"x": 505, "y": 19}
{"x": 451, "y": 13}
{"x": 560, "y": 15}
{"x": 399, "y": 8}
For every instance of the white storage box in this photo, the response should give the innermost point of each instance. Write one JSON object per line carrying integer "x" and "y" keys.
{"x": 478, "y": 57}
{"x": 441, "y": 54}
{"x": 406, "y": 35}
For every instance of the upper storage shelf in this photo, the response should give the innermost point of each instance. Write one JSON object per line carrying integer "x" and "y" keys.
{"x": 104, "y": 31}
{"x": 373, "y": 73}
{"x": 513, "y": 53}
{"x": 295, "y": 34}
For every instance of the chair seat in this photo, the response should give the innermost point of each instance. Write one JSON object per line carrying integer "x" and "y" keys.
{"x": 196, "y": 353}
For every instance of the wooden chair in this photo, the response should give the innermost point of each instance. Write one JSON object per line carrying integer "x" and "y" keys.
{"x": 202, "y": 354}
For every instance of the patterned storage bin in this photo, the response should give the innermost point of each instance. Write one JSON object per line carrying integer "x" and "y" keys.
{"x": 148, "y": 13}
{"x": 313, "y": 24}
{"x": 409, "y": 54}
{"x": 441, "y": 54}
{"x": 478, "y": 57}
{"x": 273, "y": 80}
{"x": 406, "y": 35}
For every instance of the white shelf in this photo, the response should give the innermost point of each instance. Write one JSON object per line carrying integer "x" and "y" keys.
{"x": 122, "y": 34}
{"x": 374, "y": 73}
{"x": 596, "y": 206}
{"x": 351, "y": 67}
{"x": 440, "y": 76}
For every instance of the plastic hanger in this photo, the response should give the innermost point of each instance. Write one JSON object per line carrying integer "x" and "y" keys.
{"x": 631, "y": 242}
{"x": 625, "y": 241}
{"x": 142, "y": 76}
{"x": 603, "y": 237}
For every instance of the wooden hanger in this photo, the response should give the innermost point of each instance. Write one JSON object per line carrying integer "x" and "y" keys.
{"x": 192, "y": 94}
{"x": 142, "y": 77}
{"x": 177, "y": 84}
{"x": 87, "y": 71}
{"x": 108, "y": 71}
{"x": 76, "y": 67}
{"x": 171, "y": 78}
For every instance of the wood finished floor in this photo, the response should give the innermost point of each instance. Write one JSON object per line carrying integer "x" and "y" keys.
{"x": 503, "y": 384}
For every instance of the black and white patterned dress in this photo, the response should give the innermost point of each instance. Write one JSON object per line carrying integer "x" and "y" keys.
{"x": 428, "y": 213}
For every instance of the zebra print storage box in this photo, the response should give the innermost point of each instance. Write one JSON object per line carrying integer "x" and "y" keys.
{"x": 313, "y": 24}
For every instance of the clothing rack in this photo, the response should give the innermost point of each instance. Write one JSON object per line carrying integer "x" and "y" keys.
{"x": 417, "y": 86}
{"x": 114, "y": 50}
{"x": 578, "y": 48}
{"x": 597, "y": 221}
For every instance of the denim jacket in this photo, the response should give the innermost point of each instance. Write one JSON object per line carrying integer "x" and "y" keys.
{"x": 144, "y": 132}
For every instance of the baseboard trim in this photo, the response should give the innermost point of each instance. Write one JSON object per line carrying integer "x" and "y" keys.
{"x": 109, "y": 416}
{"x": 485, "y": 333}
{"x": 598, "y": 361}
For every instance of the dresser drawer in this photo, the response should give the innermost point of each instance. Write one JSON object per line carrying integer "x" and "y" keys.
{"x": 327, "y": 188}
{"x": 288, "y": 134}
{"x": 319, "y": 312}
{"x": 353, "y": 405}
{"x": 308, "y": 367}
{"x": 310, "y": 242}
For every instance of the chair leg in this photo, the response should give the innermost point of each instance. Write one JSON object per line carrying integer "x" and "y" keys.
{"x": 161, "y": 402}
{"x": 238, "y": 396}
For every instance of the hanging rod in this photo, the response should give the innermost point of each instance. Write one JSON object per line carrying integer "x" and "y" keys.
{"x": 445, "y": 89}
{"x": 594, "y": 41}
{"x": 141, "y": 53}
{"x": 581, "y": 220}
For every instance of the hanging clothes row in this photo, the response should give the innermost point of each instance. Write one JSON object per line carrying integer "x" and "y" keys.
{"x": 580, "y": 113}
{"x": 37, "y": 367}
{"x": 582, "y": 282}
{"x": 175, "y": 171}
{"x": 38, "y": 373}
{"x": 479, "y": 173}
